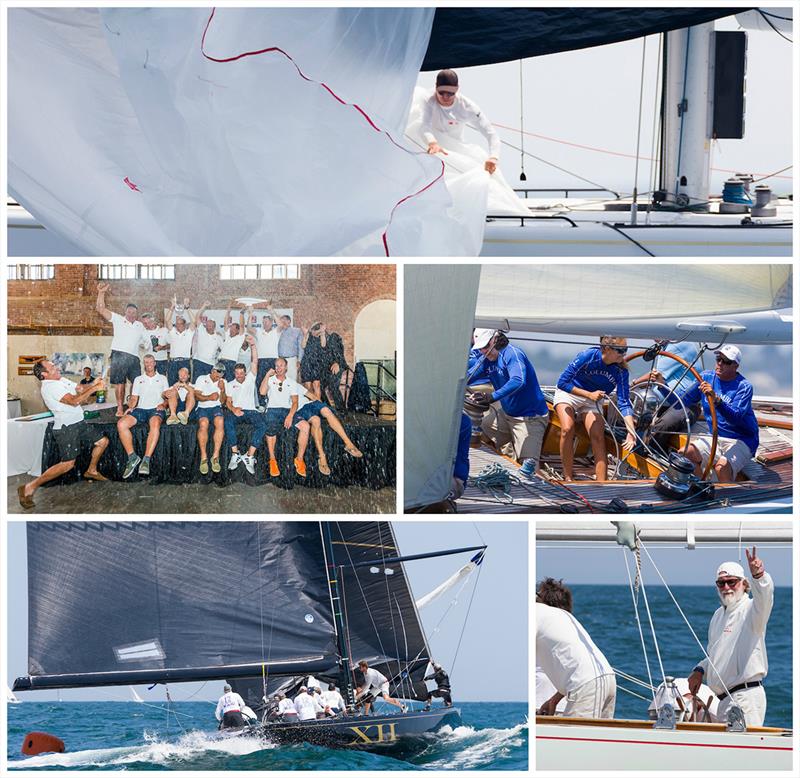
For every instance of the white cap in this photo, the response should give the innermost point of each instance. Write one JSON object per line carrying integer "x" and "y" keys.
{"x": 481, "y": 337}
{"x": 730, "y": 568}
{"x": 731, "y": 352}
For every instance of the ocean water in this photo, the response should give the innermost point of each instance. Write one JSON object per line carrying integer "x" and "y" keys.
{"x": 607, "y": 614}
{"x": 132, "y": 736}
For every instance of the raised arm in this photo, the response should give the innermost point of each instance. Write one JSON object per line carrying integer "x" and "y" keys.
{"x": 83, "y": 393}
{"x": 101, "y": 302}
{"x": 199, "y": 314}
{"x": 172, "y": 306}
{"x": 262, "y": 390}
{"x": 227, "y": 322}
{"x": 253, "y": 354}
{"x": 191, "y": 321}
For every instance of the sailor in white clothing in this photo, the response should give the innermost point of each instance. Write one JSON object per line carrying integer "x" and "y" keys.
{"x": 446, "y": 113}
{"x": 333, "y": 700}
{"x": 569, "y": 658}
{"x": 376, "y": 684}
{"x": 737, "y": 654}
{"x": 229, "y": 709}
{"x": 307, "y": 705}
{"x": 286, "y": 706}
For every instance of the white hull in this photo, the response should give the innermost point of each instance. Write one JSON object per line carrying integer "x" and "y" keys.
{"x": 579, "y": 747}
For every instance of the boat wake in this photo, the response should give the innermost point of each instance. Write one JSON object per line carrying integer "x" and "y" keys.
{"x": 154, "y": 751}
{"x": 466, "y": 748}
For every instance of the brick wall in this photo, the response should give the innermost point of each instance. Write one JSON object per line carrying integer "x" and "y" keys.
{"x": 65, "y": 305}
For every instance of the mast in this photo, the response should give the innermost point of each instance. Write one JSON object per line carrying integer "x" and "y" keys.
{"x": 336, "y": 606}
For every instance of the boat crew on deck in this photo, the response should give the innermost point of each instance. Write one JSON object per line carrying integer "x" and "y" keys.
{"x": 569, "y": 658}
{"x": 581, "y": 388}
{"x": 229, "y": 709}
{"x": 442, "y": 687}
{"x": 376, "y": 684}
{"x": 307, "y": 705}
{"x": 286, "y": 707}
{"x": 737, "y": 426}
{"x": 737, "y": 653}
{"x": 517, "y": 411}
{"x": 333, "y": 700}
{"x": 446, "y": 113}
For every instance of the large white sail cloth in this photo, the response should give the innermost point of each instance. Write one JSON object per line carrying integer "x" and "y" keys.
{"x": 439, "y": 309}
{"x": 460, "y": 575}
{"x": 242, "y": 131}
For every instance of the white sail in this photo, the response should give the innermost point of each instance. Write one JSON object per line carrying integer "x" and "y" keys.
{"x": 135, "y": 695}
{"x": 11, "y": 698}
{"x": 703, "y": 301}
{"x": 460, "y": 574}
{"x": 439, "y": 309}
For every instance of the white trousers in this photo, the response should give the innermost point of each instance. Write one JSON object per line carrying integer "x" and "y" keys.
{"x": 594, "y": 700}
{"x": 752, "y": 701}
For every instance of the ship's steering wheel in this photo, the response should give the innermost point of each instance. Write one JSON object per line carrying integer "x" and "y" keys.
{"x": 712, "y": 410}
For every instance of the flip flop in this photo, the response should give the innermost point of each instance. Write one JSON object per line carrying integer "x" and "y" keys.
{"x": 26, "y": 501}
{"x": 94, "y": 477}
{"x": 354, "y": 452}
{"x": 324, "y": 469}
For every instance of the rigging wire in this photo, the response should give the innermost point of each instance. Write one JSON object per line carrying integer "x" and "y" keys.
{"x": 389, "y": 605}
{"x": 634, "y": 598}
{"x": 522, "y": 176}
{"x": 654, "y": 150}
{"x": 650, "y": 620}
{"x": 466, "y": 618}
{"x": 766, "y": 18}
{"x": 639, "y": 133}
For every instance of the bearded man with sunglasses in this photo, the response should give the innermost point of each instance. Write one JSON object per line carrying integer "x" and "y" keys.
{"x": 736, "y": 655}
{"x": 446, "y": 113}
{"x": 582, "y": 387}
{"x": 737, "y": 426}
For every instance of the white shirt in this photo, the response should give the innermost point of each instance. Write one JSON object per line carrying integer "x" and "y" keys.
{"x": 267, "y": 342}
{"x": 228, "y": 702}
{"x": 243, "y": 394}
{"x": 149, "y": 390}
{"x": 545, "y": 690}
{"x": 307, "y": 706}
{"x": 438, "y": 122}
{"x": 736, "y": 639}
{"x": 564, "y": 650}
{"x": 127, "y": 335}
{"x": 280, "y": 393}
{"x": 333, "y": 699}
{"x": 64, "y": 415}
{"x": 231, "y": 346}
{"x": 207, "y": 345}
{"x": 180, "y": 343}
{"x": 286, "y": 706}
{"x": 207, "y": 385}
{"x": 374, "y": 680}
{"x": 162, "y": 334}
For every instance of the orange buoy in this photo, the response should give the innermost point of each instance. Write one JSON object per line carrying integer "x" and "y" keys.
{"x": 41, "y": 743}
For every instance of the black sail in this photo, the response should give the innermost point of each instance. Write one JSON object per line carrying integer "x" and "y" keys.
{"x": 119, "y": 603}
{"x": 383, "y": 626}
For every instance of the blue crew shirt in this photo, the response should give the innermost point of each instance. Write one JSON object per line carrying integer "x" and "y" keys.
{"x": 588, "y": 372}
{"x": 735, "y": 416}
{"x": 461, "y": 469}
{"x": 514, "y": 381}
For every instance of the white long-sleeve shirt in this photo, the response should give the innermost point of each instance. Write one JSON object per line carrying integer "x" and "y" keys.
{"x": 439, "y": 122}
{"x": 307, "y": 706}
{"x": 564, "y": 650}
{"x": 736, "y": 639}
{"x": 286, "y": 706}
{"x": 228, "y": 702}
{"x": 333, "y": 699}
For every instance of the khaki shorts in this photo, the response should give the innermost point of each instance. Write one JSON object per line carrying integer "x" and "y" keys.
{"x": 581, "y": 405}
{"x": 516, "y": 437}
{"x": 735, "y": 451}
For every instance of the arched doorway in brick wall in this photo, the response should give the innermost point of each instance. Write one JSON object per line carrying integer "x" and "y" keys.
{"x": 374, "y": 335}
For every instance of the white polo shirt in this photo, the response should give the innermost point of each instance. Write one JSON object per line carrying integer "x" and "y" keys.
{"x": 180, "y": 343}
{"x": 207, "y": 385}
{"x": 267, "y": 343}
{"x": 63, "y": 414}
{"x": 127, "y": 335}
{"x": 162, "y": 334}
{"x": 207, "y": 345}
{"x": 280, "y": 393}
{"x": 243, "y": 394}
{"x": 231, "y": 347}
{"x": 149, "y": 390}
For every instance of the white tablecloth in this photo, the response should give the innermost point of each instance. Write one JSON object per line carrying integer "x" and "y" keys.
{"x": 14, "y": 408}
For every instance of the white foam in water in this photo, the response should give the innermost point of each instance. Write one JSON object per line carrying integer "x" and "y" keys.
{"x": 489, "y": 745}
{"x": 154, "y": 751}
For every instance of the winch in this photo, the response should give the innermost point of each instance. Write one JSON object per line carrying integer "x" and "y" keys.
{"x": 679, "y": 482}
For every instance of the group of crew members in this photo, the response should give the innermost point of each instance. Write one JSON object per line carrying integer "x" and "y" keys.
{"x": 505, "y": 404}
{"x": 201, "y": 380}
{"x": 311, "y": 702}
{"x": 574, "y": 678}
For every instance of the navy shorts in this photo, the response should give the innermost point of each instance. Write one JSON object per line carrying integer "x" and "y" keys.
{"x": 124, "y": 367}
{"x": 143, "y": 415}
{"x": 70, "y": 439}
{"x": 200, "y": 368}
{"x": 162, "y": 366}
{"x": 207, "y": 413}
{"x": 310, "y": 409}
{"x": 274, "y": 418}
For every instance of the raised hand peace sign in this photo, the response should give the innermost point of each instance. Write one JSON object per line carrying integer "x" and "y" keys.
{"x": 756, "y": 565}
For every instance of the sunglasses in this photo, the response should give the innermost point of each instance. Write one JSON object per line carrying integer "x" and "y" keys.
{"x": 724, "y": 360}
{"x": 726, "y": 583}
{"x": 446, "y": 92}
{"x": 280, "y": 386}
{"x": 621, "y": 350}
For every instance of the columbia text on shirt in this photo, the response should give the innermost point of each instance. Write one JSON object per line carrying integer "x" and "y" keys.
{"x": 588, "y": 372}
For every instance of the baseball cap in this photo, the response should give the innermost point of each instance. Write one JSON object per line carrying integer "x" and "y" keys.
{"x": 730, "y": 352}
{"x": 730, "y": 568}
{"x": 220, "y": 367}
{"x": 481, "y": 337}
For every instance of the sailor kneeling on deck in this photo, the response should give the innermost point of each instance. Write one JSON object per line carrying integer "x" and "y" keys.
{"x": 737, "y": 426}
{"x": 569, "y": 658}
{"x": 229, "y": 709}
{"x": 736, "y": 660}
{"x": 516, "y": 411}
